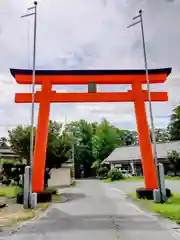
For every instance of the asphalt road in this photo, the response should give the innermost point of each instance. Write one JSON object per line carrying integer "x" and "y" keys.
{"x": 94, "y": 211}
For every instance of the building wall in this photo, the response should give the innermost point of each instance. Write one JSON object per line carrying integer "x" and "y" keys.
{"x": 60, "y": 177}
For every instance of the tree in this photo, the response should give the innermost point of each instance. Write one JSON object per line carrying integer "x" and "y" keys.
{"x": 162, "y": 135}
{"x": 81, "y": 134}
{"x": 174, "y": 125}
{"x": 96, "y": 164}
{"x": 105, "y": 140}
{"x": 3, "y": 142}
{"x": 19, "y": 139}
{"x": 174, "y": 160}
{"x": 128, "y": 137}
{"x": 57, "y": 146}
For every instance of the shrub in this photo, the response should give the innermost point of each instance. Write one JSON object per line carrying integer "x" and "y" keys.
{"x": 103, "y": 172}
{"x": 11, "y": 172}
{"x": 115, "y": 174}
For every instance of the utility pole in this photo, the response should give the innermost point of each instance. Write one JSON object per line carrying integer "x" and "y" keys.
{"x": 140, "y": 20}
{"x": 34, "y": 13}
{"x": 73, "y": 158}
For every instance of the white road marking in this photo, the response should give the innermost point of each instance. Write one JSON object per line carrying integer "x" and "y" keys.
{"x": 166, "y": 226}
{"x": 131, "y": 204}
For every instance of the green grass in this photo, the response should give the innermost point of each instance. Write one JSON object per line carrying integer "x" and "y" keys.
{"x": 10, "y": 191}
{"x": 170, "y": 209}
{"x": 172, "y": 178}
{"x": 134, "y": 179}
{"x": 129, "y": 179}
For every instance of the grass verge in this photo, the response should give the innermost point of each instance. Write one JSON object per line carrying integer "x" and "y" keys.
{"x": 129, "y": 179}
{"x": 172, "y": 178}
{"x": 170, "y": 209}
{"x": 10, "y": 191}
{"x": 14, "y": 214}
{"x": 11, "y": 219}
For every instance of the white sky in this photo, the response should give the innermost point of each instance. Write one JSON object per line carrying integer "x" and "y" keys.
{"x": 83, "y": 34}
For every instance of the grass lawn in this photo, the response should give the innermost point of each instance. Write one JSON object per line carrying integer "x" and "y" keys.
{"x": 14, "y": 213}
{"x": 10, "y": 191}
{"x": 170, "y": 209}
{"x": 130, "y": 179}
{"x": 172, "y": 178}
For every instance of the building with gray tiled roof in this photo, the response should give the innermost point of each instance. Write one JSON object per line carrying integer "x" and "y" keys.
{"x": 130, "y": 156}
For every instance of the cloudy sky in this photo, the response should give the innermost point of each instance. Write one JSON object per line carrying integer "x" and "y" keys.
{"x": 88, "y": 34}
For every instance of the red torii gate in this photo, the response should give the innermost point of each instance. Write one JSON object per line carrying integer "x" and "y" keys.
{"x": 46, "y": 96}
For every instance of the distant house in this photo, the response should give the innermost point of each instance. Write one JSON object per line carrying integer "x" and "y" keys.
{"x": 7, "y": 153}
{"x": 129, "y": 157}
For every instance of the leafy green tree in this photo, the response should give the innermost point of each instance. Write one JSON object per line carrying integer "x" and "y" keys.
{"x": 57, "y": 146}
{"x": 174, "y": 160}
{"x": 3, "y": 142}
{"x": 103, "y": 172}
{"x": 105, "y": 140}
{"x": 174, "y": 125}
{"x": 19, "y": 139}
{"x": 96, "y": 164}
{"x": 162, "y": 135}
{"x": 128, "y": 137}
{"x": 82, "y": 133}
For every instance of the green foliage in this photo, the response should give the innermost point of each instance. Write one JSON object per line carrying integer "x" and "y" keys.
{"x": 174, "y": 160}
{"x": 170, "y": 209}
{"x": 93, "y": 142}
{"x": 128, "y": 138}
{"x": 19, "y": 139}
{"x": 103, "y": 172}
{"x": 105, "y": 140}
{"x": 4, "y": 143}
{"x": 115, "y": 174}
{"x": 174, "y": 125}
{"x": 162, "y": 135}
{"x": 57, "y": 146}
{"x": 96, "y": 164}
{"x": 10, "y": 191}
{"x": 12, "y": 171}
{"x": 81, "y": 133}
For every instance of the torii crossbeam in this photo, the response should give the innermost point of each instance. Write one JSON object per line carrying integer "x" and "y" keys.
{"x": 46, "y": 96}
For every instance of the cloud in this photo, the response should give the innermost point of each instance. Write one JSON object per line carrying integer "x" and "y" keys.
{"x": 82, "y": 34}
